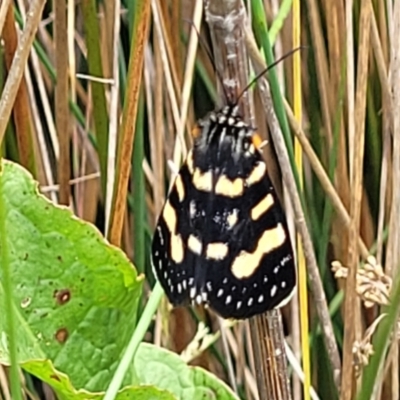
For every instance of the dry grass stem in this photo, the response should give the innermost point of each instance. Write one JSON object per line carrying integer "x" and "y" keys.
{"x": 4, "y": 383}
{"x": 393, "y": 257}
{"x": 169, "y": 80}
{"x": 314, "y": 277}
{"x": 227, "y": 24}
{"x": 41, "y": 142}
{"x": 21, "y": 111}
{"x": 352, "y": 312}
{"x": 127, "y": 130}
{"x": 114, "y": 117}
{"x": 294, "y": 363}
{"x": 348, "y": 134}
{"x": 387, "y": 129}
{"x": 228, "y": 356}
{"x": 14, "y": 77}
{"x": 393, "y": 245}
{"x": 271, "y": 371}
{"x": 5, "y": 6}
{"x": 180, "y": 150}
{"x": 350, "y": 78}
{"x": 56, "y": 188}
{"x": 321, "y": 65}
{"x": 323, "y": 177}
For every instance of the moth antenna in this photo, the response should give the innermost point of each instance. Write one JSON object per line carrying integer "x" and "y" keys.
{"x": 276, "y": 62}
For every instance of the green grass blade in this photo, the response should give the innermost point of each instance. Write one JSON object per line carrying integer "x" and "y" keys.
{"x": 137, "y": 337}
{"x": 100, "y": 114}
{"x": 8, "y": 301}
{"x": 261, "y": 31}
{"x": 139, "y": 204}
{"x": 277, "y": 24}
{"x": 381, "y": 342}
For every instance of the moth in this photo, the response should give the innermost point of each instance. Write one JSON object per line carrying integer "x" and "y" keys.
{"x": 222, "y": 237}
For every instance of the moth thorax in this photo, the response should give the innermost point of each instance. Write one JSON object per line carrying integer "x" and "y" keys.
{"x": 241, "y": 142}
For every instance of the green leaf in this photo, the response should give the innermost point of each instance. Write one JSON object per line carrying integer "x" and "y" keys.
{"x": 166, "y": 370}
{"x": 75, "y": 296}
{"x": 64, "y": 389}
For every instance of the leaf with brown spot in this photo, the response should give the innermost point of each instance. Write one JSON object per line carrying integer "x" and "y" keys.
{"x": 61, "y": 335}
{"x": 62, "y": 296}
{"x": 86, "y": 303}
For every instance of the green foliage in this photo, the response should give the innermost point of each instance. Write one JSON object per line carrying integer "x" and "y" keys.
{"x": 74, "y": 305}
{"x": 154, "y": 365}
{"x": 75, "y": 296}
{"x": 64, "y": 389}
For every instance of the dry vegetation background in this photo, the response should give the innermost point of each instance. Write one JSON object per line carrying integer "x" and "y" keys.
{"x": 97, "y": 134}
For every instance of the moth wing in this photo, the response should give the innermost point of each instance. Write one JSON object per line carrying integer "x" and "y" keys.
{"x": 258, "y": 272}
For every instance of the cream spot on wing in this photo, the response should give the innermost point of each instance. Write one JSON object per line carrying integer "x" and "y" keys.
{"x": 169, "y": 215}
{"x": 246, "y": 263}
{"x": 232, "y": 218}
{"x": 194, "y": 244}
{"x": 180, "y": 188}
{"x": 262, "y": 207}
{"x": 217, "y": 251}
{"x": 177, "y": 250}
{"x": 256, "y": 174}
{"x": 202, "y": 180}
{"x": 160, "y": 235}
{"x": 189, "y": 161}
{"x": 226, "y": 187}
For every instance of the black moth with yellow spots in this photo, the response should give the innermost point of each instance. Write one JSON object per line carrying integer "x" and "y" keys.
{"x": 222, "y": 237}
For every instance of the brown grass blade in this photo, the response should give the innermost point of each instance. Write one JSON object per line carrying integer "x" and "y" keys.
{"x": 18, "y": 65}
{"x": 352, "y": 304}
{"x": 21, "y": 112}
{"x": 127, "y": 131}
{"x": 287, "y": 174}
